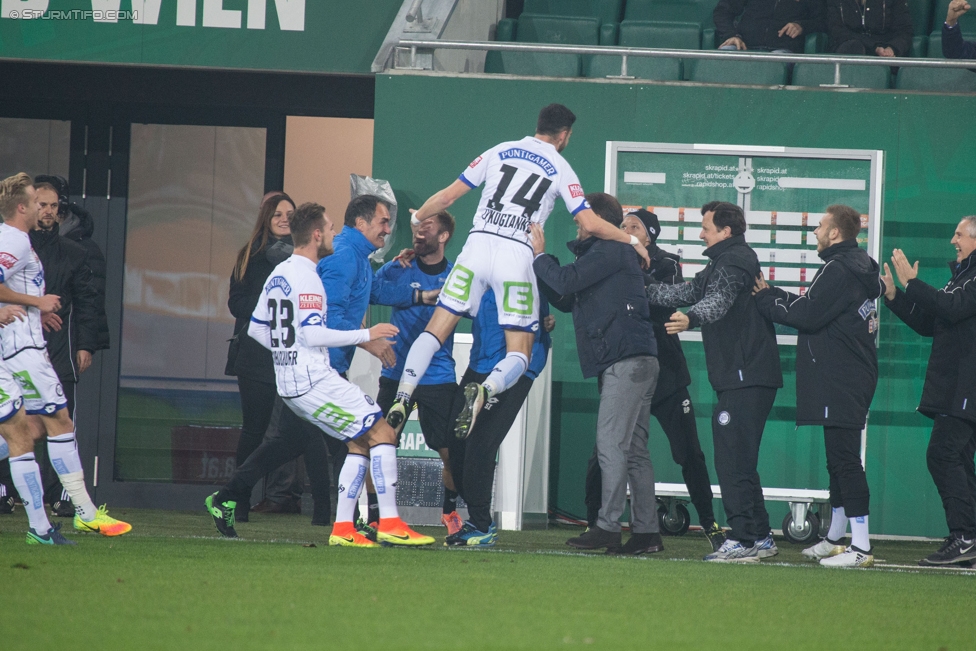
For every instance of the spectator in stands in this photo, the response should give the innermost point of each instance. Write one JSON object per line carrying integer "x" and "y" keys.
{"x": 879, "y": 27}
{"x": 953, "y": 47}
{"x": 767, "y": 25}
{"x": 604, "y": 288}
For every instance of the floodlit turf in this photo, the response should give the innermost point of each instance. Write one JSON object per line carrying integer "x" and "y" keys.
{"x": 173, "y": 584}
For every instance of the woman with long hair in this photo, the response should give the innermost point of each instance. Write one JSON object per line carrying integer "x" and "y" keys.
{"x": 269, "y": 244}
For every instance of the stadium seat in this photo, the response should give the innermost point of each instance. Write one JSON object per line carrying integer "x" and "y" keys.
{"x": 677, "y": 36}
{"x": 608, "y": 11}
{"x": 921, "y": 11}
{"x": 609, "y": 33}
{"x": 684, "y": 11}
{"x": 569, "y": 30}
{"x": 639, "y": 67}
{"x": 716, "y": 71}
{"x": 815, "y": 74}
{"x": 505, "y": 30}
{"x": 935, "y": 43}
{"x": 815, "y": 43}
{"x": 920, "y": 47}
{"x": 954, "y": 80}
{"x": 542, "y": 64}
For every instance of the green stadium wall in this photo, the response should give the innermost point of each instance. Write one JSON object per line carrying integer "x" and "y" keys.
{"x": 429, "y": 127}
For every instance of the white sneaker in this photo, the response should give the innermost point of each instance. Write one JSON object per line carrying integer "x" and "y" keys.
{"x": 732, "y": 551}
{"x": 766, "y": 547}
{"x": 823, "y": 549}
{"x": 850, "y": 557}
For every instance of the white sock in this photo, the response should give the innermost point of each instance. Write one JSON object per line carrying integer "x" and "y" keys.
{"x": 506, "y": 373}
{"x": 4, "y": 449}
{"x": 418, "y": 359}
{"x": 383, "y": 465}
{"x": 838, "y": 525}
{"x": 859, "y": 533}
{"x": 352, "y": 478}
{"x": 67, "y": 463}
{"x": 27, "y": 479}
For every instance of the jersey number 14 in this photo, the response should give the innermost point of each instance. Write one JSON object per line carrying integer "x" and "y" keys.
{"x": 521, "y": 198}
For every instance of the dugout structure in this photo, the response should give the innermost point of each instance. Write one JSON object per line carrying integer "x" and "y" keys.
{"x": 784, "y": 192}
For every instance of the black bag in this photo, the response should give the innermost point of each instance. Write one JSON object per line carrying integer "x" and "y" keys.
{"x": 232, "y": 351}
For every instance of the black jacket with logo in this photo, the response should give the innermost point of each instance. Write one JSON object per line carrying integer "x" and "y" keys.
{"x": 757, "y": 22}
{"x": 948, "y": 315}
{"x": 78, "y": 227}
{"x": 837, "y": 320}
{"x": 67, "y": 274}
{"x": 740, "y": 345}
{"x": 876, "y": 23}
{"x": 604, "y": 289}
{"x": 666, "y": 268}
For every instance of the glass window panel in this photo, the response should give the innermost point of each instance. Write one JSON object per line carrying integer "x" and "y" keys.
{"x": 34, "y": 146}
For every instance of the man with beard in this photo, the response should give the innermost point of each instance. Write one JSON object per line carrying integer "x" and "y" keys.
{"x": 836, "y": 371}
{"x": 424, "y": 269}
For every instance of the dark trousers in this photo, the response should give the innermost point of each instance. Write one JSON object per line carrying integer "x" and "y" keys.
{"x": 950, "y": 460}
{"x": 848, "y": 483}
{"x": 259, "y": 406}
{"x": 676, "y": 416}
{"x": 737, "y": 428}
{"x": 292, "y": 438}
{"x": 473, "y": 459}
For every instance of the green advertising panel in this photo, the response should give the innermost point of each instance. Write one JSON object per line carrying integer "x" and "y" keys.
{"x": 300, "y": 35}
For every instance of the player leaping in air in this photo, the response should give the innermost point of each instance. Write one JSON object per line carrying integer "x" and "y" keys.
{"x": 522, "y": 179}
{"x": 289, "y": 320}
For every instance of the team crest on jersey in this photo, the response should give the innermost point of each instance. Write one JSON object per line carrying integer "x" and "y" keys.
{"x": 280, "y": 283}
{"x": 575, "y": 190}
{"x": 415, "y": 285}
{"x": 7, "y": 260}
{"x": 475, "y": 162}
{"x": 312, "y": 320}
{"x": 310, "y": 301}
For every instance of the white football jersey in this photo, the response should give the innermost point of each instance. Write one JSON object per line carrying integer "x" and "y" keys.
{"x": 293, "y": 299}
{"x": 522, "y": 180}
{"x": 21, "y": 271}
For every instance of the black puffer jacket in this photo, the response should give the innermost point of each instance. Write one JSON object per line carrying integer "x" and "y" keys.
{"x": 876, "y": 23}
{"x": 948, "y": 315}
{"x": 666, "y": 268}
{"x": 78, "y": 227}
{"x": 253, "y": 360}
{"x": 837, "y": 320}
{"x": 67, "y": 274}
{"x": 757, "y": 22}
{"x": 604, "y": 288}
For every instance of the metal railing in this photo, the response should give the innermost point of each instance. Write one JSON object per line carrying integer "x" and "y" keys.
{"x": 626, "y": 52}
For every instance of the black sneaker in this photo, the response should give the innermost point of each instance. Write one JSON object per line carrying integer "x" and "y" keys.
{"x": 715, "y": 536}
{"x": 955, "y": 549}
{"x": 595, "y": 538}
{"x": 367, "y": 529}
{"x": 63, "y": 509}
{"x": 6, "y": 504}
{"x": 397, "y": 415}
{"x": 223, "y": 515}
{"x": 639, "y": 543}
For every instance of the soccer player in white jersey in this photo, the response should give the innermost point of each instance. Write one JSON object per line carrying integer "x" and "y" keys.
{"x": 24, "y": 355}
{"x": 522, "y": 180}
{"x": 289, "y": 320}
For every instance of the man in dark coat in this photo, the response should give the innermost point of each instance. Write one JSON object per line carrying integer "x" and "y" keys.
{"x": 743, "y": 368}
{"x": 948, "y": 316}
{"x": 604, "y": 288}
{"x": 74, "y": 336}
{"x": 672, "y": 405}
{"x": 836, "y": 371}
{"x": 872, "y": 27}
{"x": 767, "y": 25}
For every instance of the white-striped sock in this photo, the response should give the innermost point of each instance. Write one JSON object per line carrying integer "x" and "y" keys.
{"x": 27, "y": 478}
{"x": 67, "y": 463}
{"x": 352, "y": 477}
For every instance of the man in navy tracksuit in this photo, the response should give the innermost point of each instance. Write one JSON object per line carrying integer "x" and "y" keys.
{"x": 473, "y": 458}
{"x": 743, "y": 368}
{"x": 425, "y": 273}
{"x": 836, "y": 371}
{"x": 347, "y": 276}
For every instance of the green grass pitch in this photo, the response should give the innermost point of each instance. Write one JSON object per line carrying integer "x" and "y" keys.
{"x": 174, "y": 584}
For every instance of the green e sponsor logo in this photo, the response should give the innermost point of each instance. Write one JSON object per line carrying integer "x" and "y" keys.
{"x": 518, "y": 298}
{"x": 334, "y": 416}
{"x": 27, "y": 386}
{"x": 458, "y": 284}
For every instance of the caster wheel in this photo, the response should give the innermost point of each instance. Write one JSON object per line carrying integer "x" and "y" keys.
{"x": 673, "y": 525}
{"x": 801, "y": 533}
